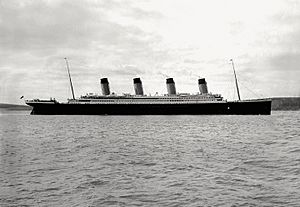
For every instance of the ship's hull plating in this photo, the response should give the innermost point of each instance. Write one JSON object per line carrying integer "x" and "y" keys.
{"x": 255, "y": 107}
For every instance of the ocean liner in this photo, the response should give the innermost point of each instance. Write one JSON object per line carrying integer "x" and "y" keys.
{"x": 172, "y": 103}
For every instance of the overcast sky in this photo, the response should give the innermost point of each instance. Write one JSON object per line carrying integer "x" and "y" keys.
{"x": 151, "y": 39}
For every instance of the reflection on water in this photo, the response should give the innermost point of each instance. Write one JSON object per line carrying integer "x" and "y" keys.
{"x": 150, "y": 160}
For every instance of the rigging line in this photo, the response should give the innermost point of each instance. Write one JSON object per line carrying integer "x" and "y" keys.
{"x": 249, "y": 82}
{"x": 229, "y": 90}
{"x": 254, "y": 93}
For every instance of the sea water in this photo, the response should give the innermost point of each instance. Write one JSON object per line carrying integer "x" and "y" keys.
{"x": 150, "y": 160}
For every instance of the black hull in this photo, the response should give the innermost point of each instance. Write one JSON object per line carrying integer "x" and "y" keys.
{"x": 254, "y": 107}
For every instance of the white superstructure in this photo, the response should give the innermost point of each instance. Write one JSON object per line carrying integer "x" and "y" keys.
{"x": 135, "y": 99}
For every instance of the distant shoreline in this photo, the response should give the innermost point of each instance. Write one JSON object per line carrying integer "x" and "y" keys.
{"x": 285, "y": 103}
{"x": 278, "y": 104}
{"x": 15, "y": 107}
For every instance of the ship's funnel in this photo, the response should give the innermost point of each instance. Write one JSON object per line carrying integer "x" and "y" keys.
{"x": 105, "y": 86}
{"x": 171, "y": 86}
{"x": 202, "y": 86}
{"x": 138, "y": 86}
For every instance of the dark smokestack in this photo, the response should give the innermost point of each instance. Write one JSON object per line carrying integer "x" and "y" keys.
{"x": 202, "y": 86}
{"x": 105, "y": 86}
{"x": 138, "y": 86}
{"x": 171, "y": 86}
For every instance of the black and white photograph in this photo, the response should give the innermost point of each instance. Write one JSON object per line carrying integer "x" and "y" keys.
{"x": 149, "y": 103}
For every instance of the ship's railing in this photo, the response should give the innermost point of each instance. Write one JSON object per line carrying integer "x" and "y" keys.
{"x": 41, "y": 101}
{"x": 165, "y": 96}
{"x": 141, "y": 101}
{"x": 253, "y": 100}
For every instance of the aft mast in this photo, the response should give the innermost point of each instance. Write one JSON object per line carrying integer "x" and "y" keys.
{"x": 70, "y": 78}
{"x": 236, "y": 82}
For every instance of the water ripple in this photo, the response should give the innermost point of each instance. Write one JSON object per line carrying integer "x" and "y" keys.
{"x": 150, "y": 160}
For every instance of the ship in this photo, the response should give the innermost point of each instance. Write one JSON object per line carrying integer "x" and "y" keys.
{"x": 172, "y": 103}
